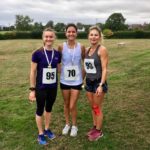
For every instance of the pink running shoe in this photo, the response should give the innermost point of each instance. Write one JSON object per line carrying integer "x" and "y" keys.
{"x": 95, "y": 135}
{"x": 91, "y": 131}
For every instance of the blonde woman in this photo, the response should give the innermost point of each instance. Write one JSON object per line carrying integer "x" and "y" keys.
{"x": 43, "y": 83}
{"x": 95, "y": 64}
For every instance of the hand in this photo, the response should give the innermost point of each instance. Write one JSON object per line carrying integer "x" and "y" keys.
{"x": 32, "y": 97}
{"x": 99, "y": 91}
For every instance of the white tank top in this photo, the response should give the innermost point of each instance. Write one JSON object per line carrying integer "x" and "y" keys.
{"x": 71, "y": 70}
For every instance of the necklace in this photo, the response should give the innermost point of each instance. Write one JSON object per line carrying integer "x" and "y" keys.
{"x": 49, "y": 62}
{"x": 70, "y": 51}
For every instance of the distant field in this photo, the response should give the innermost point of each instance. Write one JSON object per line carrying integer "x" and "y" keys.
{"x": 126, "y": 106}
{"x": 2, "y": 32}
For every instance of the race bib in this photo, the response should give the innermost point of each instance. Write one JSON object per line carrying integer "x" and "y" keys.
{"x": 71, "y": 72}
{"x": 89, "y": 66}
{"x": 49, "y": 75}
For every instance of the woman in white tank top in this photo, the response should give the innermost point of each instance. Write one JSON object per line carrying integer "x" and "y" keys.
{"x": 71, "y": 77}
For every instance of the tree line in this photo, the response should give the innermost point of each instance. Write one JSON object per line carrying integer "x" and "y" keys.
{"x": 115, "y": 22}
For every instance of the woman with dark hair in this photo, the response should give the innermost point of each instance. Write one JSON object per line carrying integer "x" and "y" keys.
{"x": 71, "y": 77}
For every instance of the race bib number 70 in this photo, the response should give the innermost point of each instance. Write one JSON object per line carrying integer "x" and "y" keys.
{"x": 71, "y": 72}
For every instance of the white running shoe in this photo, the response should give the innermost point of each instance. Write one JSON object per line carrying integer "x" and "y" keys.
{"x": 65, "y": 129}
{"x": 74, "y": 131}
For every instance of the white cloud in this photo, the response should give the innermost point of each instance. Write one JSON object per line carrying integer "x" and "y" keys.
{"x": 85, "y": 11}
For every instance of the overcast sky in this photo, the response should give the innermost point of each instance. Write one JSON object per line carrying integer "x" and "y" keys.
{"x": 84, "y": 11}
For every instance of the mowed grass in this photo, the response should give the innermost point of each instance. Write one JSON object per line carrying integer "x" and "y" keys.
{"x": 126, "y": 106}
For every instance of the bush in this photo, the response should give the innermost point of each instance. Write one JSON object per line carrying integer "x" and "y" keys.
{"x": 36, "y": 34}
{"x": 81, "y": 35}
{"x": 131, "y": 34}
{"x": 23, "y": 35}
{"x": 107, "y": 33}
{"x": 60, "y": 35}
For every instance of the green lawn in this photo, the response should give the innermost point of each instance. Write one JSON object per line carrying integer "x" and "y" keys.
{"x": 126, "y": 107}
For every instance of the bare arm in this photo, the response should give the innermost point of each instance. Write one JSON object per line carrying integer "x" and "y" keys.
{"x": 33, "y": 73}
{"x": 59, "y": 68}
{"x": 83, "y": 56}
{"x": 104, "y": 63}
{"x": 60, "y": 47}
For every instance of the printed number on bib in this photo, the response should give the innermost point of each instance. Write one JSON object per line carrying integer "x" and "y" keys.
{"x": 70, "y": 72}
{"x": 89, "y": 66}
{"x": 49, "y": 76}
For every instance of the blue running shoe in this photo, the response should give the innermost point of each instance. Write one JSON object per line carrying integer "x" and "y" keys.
{"x": 49, "y": 134}
{"x": 42, "y": 140}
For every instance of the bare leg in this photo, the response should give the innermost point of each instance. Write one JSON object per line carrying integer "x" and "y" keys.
{"x": 90, "y": 96}
{"x": 73, "y": 108}
{"x": 47, "y": 116}
{"x": 39, "y": 123}
{"x": 66, "y": 96}
{"x": 99, "y": 118}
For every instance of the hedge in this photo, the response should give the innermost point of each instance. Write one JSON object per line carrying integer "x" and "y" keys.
{"x": 35, "y": 35}
{"x": 131, "y": 35}
{"x": 81, "y": 35}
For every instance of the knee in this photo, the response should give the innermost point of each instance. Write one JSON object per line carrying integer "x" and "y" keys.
{"x": 66, "y": 103}
{"x": 39, "y": 112}
{"x": 72, "y": 107}
{"x": 96, "y": 109}
{"x": 48, "y": 109}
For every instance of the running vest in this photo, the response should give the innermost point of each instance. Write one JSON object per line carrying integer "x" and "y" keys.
{"x": 71, "y": 70}
{"x": 92, "y": 65}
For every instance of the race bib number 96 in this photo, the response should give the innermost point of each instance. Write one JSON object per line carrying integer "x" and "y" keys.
{"x": 49, "y": 75}
{"x": 89, "y": 66}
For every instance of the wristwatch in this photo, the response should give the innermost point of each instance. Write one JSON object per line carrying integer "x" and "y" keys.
{"x": 101, "y": 84}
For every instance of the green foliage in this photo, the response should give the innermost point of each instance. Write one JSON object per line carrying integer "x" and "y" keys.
{"x": 37, "y": 26}
{"x": 50, "y": 24}
{"x": 107, "y": 33}
{"x": 80, "y": 25}
{"x": 115, "y": 22}
{"x": 60, "y": 27}
{"x": 35, "y": 35}
{"x": 23, "y": 23}
{"x": 101, "y": 26}
{"x": 60, "y": 35}
{"x": 131, "y": 34}
{"x": 82, "y": 35}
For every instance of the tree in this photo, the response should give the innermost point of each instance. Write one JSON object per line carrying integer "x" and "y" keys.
{"x": 79, "y": 25}
{"x": 23, "y": 23}
{"x": 115, "y": 22}
{"x": 38, "y": 26}
{"x": 59, "y": 27}
{"x": 50, "y": 24}
{"x": 100, "y": 25}
{"x": 87, "y": 27}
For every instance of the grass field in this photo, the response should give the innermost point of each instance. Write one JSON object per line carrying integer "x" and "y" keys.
{"x": 126, "y": 107}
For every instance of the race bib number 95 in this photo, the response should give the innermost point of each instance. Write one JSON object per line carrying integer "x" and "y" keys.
{"x": 49, "y": 75}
